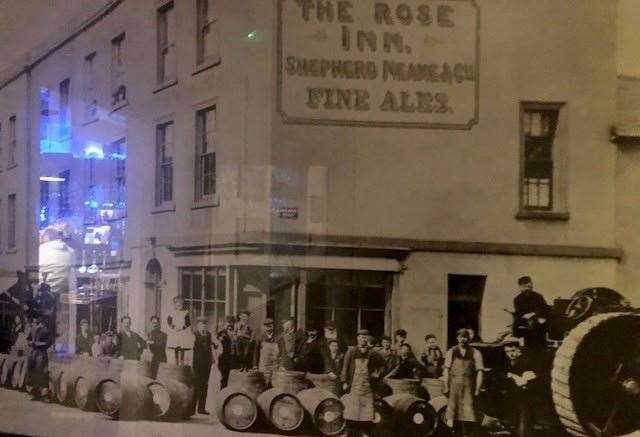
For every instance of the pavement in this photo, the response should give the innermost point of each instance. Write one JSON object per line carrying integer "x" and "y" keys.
{"x": 20, "y": 415}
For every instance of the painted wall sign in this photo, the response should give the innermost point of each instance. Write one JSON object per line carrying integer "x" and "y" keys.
{"x": 391, "y": 63}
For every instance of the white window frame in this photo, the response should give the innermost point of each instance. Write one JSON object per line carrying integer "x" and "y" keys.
{"x": 206, "y": 23}
{"x": 165, "y": 43}
{"x": 90, "y": 101}
{"x": 118, "y": 86}
{"x": 12, "y": 207}
{"x": 164, "y": 165}
{"x": 202, "y": 272}
{"x": 13, "y": 141}
{"x": 206, "y": 148}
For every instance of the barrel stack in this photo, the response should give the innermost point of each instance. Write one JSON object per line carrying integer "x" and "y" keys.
{"x": 280, "y": 405}
{"x": 71, "y": 372}
{"x": 412, "y": 413}
{"x": 86, "y": 383}
{"x": 10, "y": 364}
{"x": 324, "y": 409}
{"x": 236, "y": 405}
{"x": 178, "y": 383}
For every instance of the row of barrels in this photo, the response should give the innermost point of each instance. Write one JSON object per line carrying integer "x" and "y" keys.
{"x": 121, "y": 389}
{"x": 296, "y": 399}
{"x": 13, "y": 371}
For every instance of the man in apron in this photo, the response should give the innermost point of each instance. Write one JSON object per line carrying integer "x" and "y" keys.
{"x": 266, "y": 354}
{"x": 463, "y": 367}
{"x": 360, "y": 370}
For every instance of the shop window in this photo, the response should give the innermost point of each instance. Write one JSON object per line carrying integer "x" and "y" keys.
{"x": 166, "y": 44}
{"x": 542, "y": 159}
{"x": 204, "y": 292}
{"x": 89, "y": 100}
{"x": 11, "y": 159}
{"x": 164, "y": 163}
{"x": 206, "y": 127}
{"x": 207, "y": 38}
{"x": 351, "y": 301}
{"x": 118, "y": 87}
{"x": 11, "y": 222}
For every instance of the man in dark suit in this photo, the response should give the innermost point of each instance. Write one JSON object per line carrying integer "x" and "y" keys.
{"x": 531, "y": 314}
{"x": 157, "y": 341}
{"x": 130, "y": 345}
{"x": 228, "y": 358}
{"x": 84, "y": 339}
{"x": 202, "y": 361}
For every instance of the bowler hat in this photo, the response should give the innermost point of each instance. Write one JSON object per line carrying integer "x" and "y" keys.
{"x": 363, "y": 332}
{"x": 524, "y": 280}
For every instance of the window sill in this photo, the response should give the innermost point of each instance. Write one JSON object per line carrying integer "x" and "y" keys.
{"x": 11, "y": 251}
{"x": 164, "y": 85}
{"x": 165, "y": 207}
{"x": 207, "y": 64}
{"x": 208, "y": 202}
{"x": 542, "y": 215}
{"x": 88, "y": 121}
{"x": 11, "y": 166}
{"x": 119, "y": 106}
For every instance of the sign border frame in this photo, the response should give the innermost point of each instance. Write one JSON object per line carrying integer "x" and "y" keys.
{"x": 365, "y": 123}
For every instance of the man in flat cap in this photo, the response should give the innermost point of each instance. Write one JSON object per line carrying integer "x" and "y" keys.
{"x": 226, "y": 343}
{"x": 289, "y": 344}
{"x": 84, "y": 339}
{"x": 311, "y": 357}
{"x": 361, "y": 370}
{"x": 266, "y": 353}
{"x": 521, "y": 385}
{"x": 244, "y": 339}
{"x": 463, "y": 376}
{"x": 531, "y": 314}
{"x": 202, "y": 361}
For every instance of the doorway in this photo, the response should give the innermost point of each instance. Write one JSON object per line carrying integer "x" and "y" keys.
{"x": 464, "y": 304}
{"x": 153, "y": 291}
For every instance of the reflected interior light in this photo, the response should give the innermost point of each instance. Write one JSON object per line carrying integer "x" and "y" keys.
{"x": 252, "y": 35}
{"x": 94, "y": 150}
{"x": 51, "y": 179}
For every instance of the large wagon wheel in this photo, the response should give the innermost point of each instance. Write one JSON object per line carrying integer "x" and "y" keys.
{"x": 595, "y": 373}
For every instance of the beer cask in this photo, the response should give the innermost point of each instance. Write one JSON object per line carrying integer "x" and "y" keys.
{"x": 17, "y": 377}
{"x": 282, "y": 409}
{"x": 82, "y": 365}
{"x": 86, "y": 383}
{"x": 3, "y": 358}
{"x": 178, "y": 383}
{"x": 251, "y": 381}
{"x": 7, "y": 370}
{"x": 410, "y": 386}
{"x": 383, "y": 419}
{"x": 435, "y": 387}
{"x": 325, "y": 410}
{"x": 325, "y": 382}
{"x": 413, "y": 415}
{"x": 126, "y": 388}
{"x": 236, "y": 409}
{"x": 289, "y": 381}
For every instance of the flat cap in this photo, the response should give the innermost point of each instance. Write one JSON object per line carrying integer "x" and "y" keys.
{"x": 268, "y": 321}
{"x": 364, "y": 332}
{"x": 331, "y": 324}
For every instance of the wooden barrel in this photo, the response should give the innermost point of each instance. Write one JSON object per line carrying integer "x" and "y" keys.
{"x": 383, "y": 419}
{"x": 17, "y": 374}
{"x": 22, "y": 379}
{"x": 169, "y": 375}
{"x": 3, "y": 358}
{"x": 434, "y": 387}
{"x": 282, "y": 409}
{"x": 289, "y": 381}
{"x": 130, "y": 398}
{"x": 7, "y": 370}
{"x": 71, "y": 371}
{"x": 251, "y": 381}
{"x": 413, "y": 415}
{"x": 325, "y": 382}
{"x": 439, "y": 404}
{"x": 86, "y": 383}
{"x": 411, "y": 386}
{"x": 236, "y": 409}
{"x": 325, "y": 410}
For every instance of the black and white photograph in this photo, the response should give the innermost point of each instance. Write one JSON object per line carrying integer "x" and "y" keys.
{"x": 350, "y": 218}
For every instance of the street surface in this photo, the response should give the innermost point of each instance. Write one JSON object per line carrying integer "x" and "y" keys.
{"x": 20, "y": 415}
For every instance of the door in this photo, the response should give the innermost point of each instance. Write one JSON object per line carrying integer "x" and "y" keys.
{"x": 465, "y": 302}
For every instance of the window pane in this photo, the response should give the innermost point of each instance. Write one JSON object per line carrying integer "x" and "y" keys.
{"x": 196, "y": 309}
{"x": 221, "y": 288}
{"x": 318, "y": 297}
{"x": 373, "y": 321}
{"x": 197, "y": 286}
{"x": 186, "y": 286}
{"x": 344, "y": 297}
{"x": 209, "y": 286}
{"x": 373, "y": 298}
{"x": 347, "y": 324}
